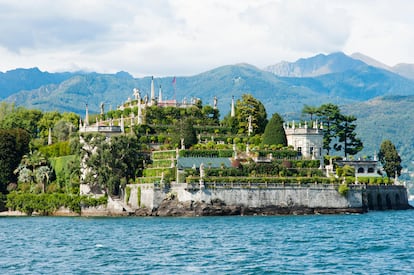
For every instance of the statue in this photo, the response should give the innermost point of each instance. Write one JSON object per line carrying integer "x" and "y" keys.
{"x": 215, "y": 103}
{"x": 250, "y": 127}
{"x": 136, "y": 94}
{"x": 202, "y": 173}
{"x": 102, "y": 108}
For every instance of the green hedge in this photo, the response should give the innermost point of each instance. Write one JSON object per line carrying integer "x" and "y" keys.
{"x": 56, "y": 150}
{"x": 157, "y": 172}
{"x": 163, "y": 163}
{"x": 281, "y": 180}
{"x": 278, "y": 154}
{"x": 206, "y": 153}
{"x": 164, "y": 154}
{"x": 46, "y": 204}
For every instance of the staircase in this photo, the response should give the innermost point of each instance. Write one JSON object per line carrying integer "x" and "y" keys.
{"x": 117, "y": 206}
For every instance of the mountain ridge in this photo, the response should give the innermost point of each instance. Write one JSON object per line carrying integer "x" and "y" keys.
{"x": 354, "y": 88}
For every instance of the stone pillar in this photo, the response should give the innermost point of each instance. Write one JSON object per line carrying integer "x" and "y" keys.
{"x": 233, "y": 111}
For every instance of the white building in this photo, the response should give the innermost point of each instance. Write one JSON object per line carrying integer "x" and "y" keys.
{"x": 363, "y": 168}
{"x": 308, "y": 141}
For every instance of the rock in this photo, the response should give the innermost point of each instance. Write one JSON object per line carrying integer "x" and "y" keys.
{"x": 143, "y": 212}
{"x": 171, "y": 207}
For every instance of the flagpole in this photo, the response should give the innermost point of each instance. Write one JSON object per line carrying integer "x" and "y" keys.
{"x": 174, "y": 82}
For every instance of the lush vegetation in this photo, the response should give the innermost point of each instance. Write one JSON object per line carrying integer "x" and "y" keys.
{"x": 112, "y": 164}
{"x": 43, "y": 159}
{"x": 339, "y": 129}
{"x": 386, "y": 118}
{"x": 390, "y": 159}
{"x": 46, "y": 204}
{"x": 389, "y": 115}
{"x": 274, "y": 133}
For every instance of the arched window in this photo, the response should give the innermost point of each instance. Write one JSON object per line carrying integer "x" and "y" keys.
{"x": 370, "y": 170}
{"x": 361, "y": 170}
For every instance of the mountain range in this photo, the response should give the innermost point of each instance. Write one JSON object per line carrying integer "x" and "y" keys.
{"x": 380, "y": 96}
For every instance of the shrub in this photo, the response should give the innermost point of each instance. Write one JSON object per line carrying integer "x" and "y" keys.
{"x": 128, "y": 193}
{"x": 46, "y": 204}
{"x": 343, "y": 189}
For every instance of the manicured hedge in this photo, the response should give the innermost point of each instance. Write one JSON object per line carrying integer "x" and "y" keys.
{"x": 279, "y": 180}
{"x": 278, "y": 154}
{"x": 206, "y": 153}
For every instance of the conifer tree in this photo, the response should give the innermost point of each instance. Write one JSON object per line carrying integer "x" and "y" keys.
{"x": 390, "y": 159}
{"x": 338, "y": 130}
{"x": 185, "y": 131}
{"x": 347, "y": 136}
{"x": 274, "y": 133}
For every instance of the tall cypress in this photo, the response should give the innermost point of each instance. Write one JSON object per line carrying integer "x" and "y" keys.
{"x": 274, "y": 133}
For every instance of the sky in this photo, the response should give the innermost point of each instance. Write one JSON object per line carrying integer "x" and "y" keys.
{"x": 182, "y": 37}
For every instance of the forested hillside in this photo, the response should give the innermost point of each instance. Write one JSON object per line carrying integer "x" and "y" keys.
{"x": 380, "y": 99}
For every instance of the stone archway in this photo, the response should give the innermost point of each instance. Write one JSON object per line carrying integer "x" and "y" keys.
{"x": 379, "y": 202}
{"x": 388, "y": 201}
{"x": 370, "y": 202}
{"x": 397, "y": 200}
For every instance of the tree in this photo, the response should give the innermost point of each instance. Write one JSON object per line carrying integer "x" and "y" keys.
{"x": 67, "y": 125}
{"x": 34, "y": 160}
{"x": 21, "y": 118}
{"x": 231, "y": 122}
{"x": 210, "y": 115}
{"x": 111, "y": 162}
{"x": 185, "y": 131}
{"x": 48, "y": 120}
{"x": 274, "y": 132}
{"x": 390, "y": 159}
{"x": 37, "y": 164}
{"x": 249, "y": 106}
{"x": 339, "y": 130}
{"x": 329, "y": 115}
{"x": 42, "y": 175}
{"x": 25, "y": 175}
{"x": 347, "y": 136}
{"x": 310, "y": 110}
{"x": 13, "y": 145}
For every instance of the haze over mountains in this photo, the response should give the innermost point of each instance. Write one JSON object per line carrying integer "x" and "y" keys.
{"x": 356, "y": 83}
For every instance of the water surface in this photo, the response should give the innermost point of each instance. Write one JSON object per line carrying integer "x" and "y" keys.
{"x": 373, "y": 243}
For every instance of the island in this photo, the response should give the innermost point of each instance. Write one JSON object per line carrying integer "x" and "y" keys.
{"x": 159, "y": 157}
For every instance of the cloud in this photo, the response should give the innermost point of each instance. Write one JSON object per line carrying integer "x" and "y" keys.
{"x": 180, "y": 37}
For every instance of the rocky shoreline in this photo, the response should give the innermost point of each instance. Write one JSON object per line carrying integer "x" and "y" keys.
{"x": 174, "y": 208}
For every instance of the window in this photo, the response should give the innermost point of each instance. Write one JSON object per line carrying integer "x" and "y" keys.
{"x": 361, "y": 170}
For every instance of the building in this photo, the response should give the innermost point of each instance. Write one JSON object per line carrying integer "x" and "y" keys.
{"x": 107, "y": 129}
{"x": 308, "y": 141}
{"x": 363, "y": 168}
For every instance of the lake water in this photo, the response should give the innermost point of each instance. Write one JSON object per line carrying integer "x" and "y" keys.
{"x": 372, "y": 243}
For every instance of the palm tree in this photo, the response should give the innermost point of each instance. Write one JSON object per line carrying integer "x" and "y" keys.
{"x": 42, "y": 175}
{"x": 34, "y": 160}
{"x": 25, "y": 175}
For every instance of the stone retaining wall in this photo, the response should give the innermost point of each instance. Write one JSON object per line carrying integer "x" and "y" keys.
{"x": 384, "y": 197}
